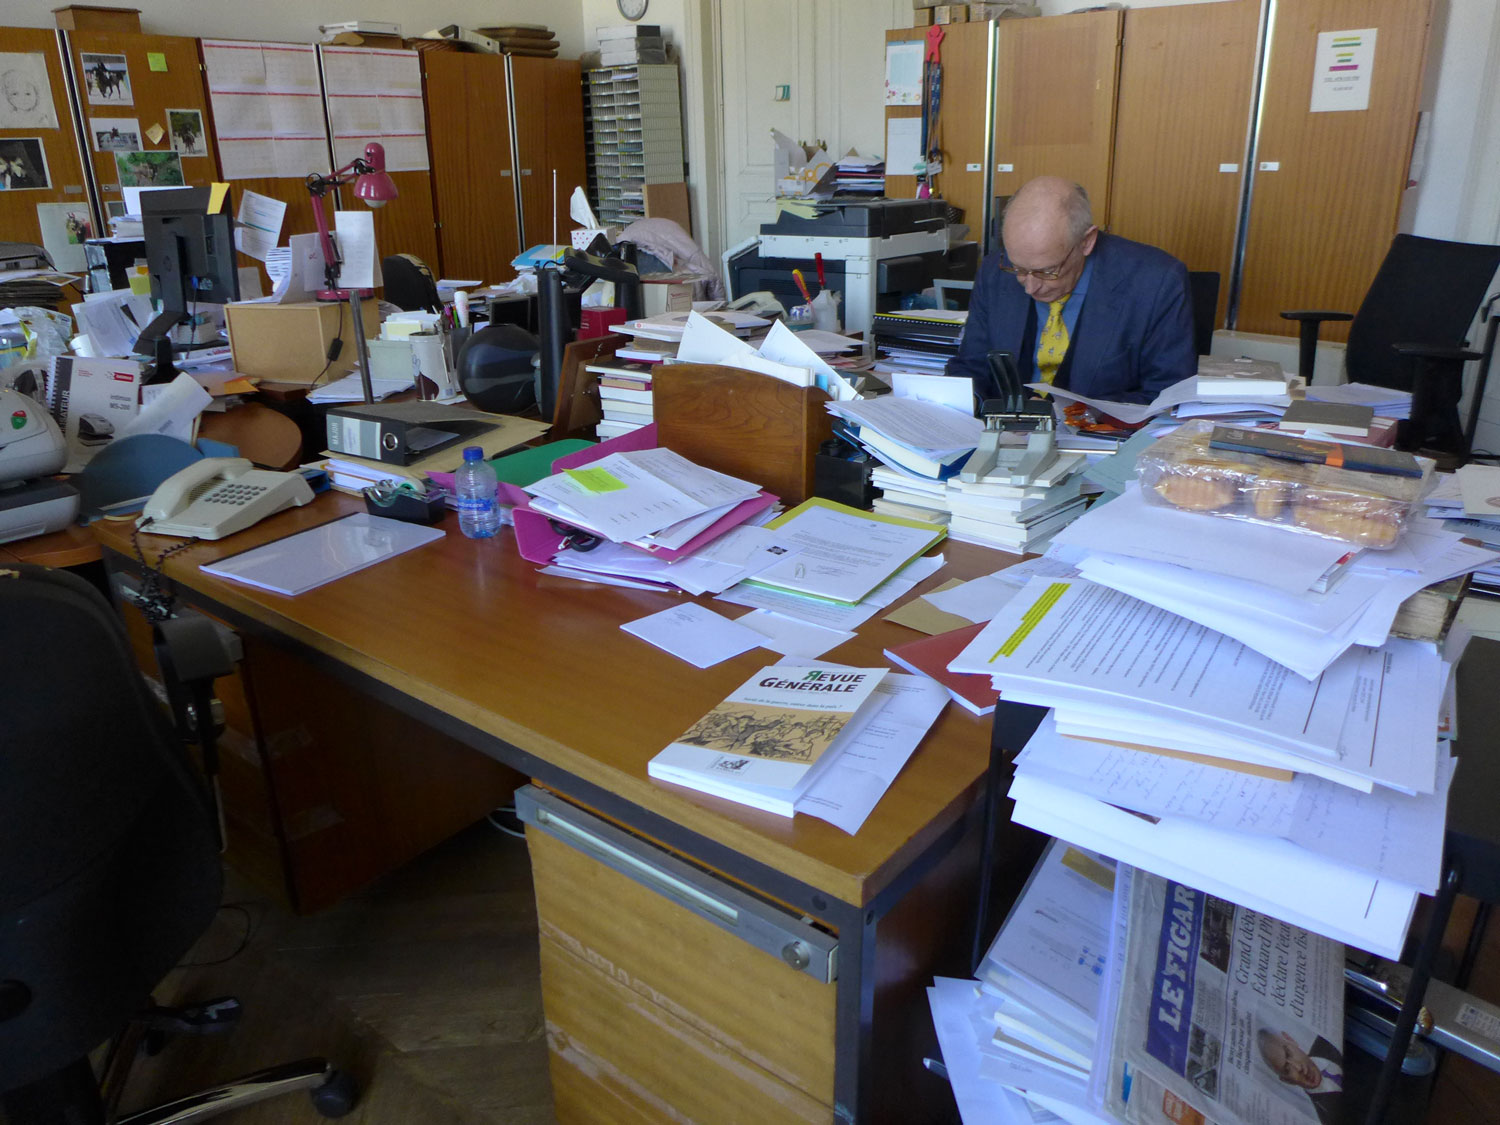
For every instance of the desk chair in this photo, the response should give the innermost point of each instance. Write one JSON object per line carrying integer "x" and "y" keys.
{"x": 109, "y": 865}
{"x": 1410, "y": 333}
{"x": 1203, "y": 290}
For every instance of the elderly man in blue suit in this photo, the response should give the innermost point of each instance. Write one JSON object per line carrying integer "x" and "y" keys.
{"x": 1089, "y": 312}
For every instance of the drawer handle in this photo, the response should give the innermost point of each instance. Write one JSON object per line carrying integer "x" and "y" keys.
{"x": 647, "y": 873}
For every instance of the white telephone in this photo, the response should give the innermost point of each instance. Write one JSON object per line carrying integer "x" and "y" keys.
{"x": 218, "y": 496}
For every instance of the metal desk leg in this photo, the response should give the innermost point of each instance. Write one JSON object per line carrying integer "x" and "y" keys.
{"x": 1421, "y": 973}
{"x": 1013, "y": 727}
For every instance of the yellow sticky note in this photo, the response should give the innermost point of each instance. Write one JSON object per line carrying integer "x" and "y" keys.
{"x": 140, "y": 284}
{"x": 595, "y": 480}
{"x": 156, "y": 61}
{"x": 155, "y": 134}
{"x": 216, "y": 196}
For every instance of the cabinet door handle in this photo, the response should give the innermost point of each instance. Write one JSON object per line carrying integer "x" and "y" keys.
{"x": 787, "y": 936}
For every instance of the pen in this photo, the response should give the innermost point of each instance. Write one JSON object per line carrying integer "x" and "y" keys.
{"x": 822, "y": 282}
{"x": 802, "y": 285}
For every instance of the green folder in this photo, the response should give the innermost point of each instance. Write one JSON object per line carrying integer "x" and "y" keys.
{"x": 527, "y": 466}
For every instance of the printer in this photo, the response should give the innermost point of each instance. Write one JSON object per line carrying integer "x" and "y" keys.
{"x": 31, "y": 449}
{"x": 875, "y": 251}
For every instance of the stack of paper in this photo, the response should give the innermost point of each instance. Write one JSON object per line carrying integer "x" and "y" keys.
{"x": 1300, "y": 599}
{"x": 1468, "y": 503}
{"x": 1118, "y": 671}
{"x": 927, "y": 439}
{"x": 653, "y": 499}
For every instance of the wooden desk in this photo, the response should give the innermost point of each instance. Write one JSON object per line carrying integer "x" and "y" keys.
{"x": 72, "y": 546}
{"x": 535, "y": 671}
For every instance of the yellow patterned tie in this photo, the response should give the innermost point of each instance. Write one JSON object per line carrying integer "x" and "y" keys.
{"x": 1054, "y": 343}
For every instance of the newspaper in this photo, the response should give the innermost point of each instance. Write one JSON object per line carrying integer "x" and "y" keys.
{"x": 1225, "y": 1015}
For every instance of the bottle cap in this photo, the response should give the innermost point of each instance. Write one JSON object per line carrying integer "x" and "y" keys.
{"x": 473, "y": 453}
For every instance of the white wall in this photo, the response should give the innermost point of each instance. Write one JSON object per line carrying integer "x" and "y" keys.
{"x": 688, "y": 24}
{"x": 296, "y": 21}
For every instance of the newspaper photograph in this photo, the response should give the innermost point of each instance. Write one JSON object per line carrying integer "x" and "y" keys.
{"x": 1226, "y": 1015}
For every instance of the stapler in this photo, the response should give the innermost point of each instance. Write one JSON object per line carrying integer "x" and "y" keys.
{"x": 1015, "y": 412}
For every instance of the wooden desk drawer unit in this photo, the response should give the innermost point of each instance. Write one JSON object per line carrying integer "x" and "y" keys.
{"x": 671, "y": 995}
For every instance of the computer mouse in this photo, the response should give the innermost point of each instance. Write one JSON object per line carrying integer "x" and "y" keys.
{"x": 94, "y": 429}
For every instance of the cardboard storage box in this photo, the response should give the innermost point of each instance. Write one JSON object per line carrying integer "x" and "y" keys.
{"x": 289, "y": 343}
{"x": 950, "y": 13}
{"x": 89, "y": 17}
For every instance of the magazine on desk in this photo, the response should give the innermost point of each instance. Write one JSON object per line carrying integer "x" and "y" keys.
{"x": 766, "y": 742}
{"x": 1233, "y": 1013}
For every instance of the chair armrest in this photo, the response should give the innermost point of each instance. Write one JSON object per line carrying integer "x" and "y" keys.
{"x": 1304, "y": 315}
{"x": 1437, "y": 351}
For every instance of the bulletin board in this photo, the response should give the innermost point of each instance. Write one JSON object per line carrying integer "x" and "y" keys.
{"x": 39, "y": 146}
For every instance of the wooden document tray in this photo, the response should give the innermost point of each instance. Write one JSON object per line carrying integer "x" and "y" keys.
{"x": 743, "y": 423}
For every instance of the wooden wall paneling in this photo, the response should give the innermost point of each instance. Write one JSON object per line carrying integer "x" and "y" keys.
{"x": 1187, "y": 74}
{"x": 19, "y": 221}
{"x": 900, "y": 186}
{"x": 1322, "y": 222}
{"x": 1055, "y": 101}
{"x": 153, "y": 92}
{"x": 549, "y": 136}
{"x": 468, "y": 138}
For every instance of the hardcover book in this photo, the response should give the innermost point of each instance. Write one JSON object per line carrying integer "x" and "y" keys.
{"x": 767, "y": 741}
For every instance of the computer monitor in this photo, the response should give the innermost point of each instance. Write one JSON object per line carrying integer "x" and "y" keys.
{"x": 190, "y": 257}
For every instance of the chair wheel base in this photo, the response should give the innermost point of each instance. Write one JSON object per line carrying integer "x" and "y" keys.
{"x": 337, "y": 1096}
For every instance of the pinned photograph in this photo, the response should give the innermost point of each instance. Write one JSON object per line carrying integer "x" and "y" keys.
{"x": 65, "y": 227}
{"x": 25, "y": 92}
{"x": 23, "y": 164}
{"x": 107, "y": 78}
{"x": 185, "y": 127}
{"x": 115, "y": 134}
{"x": 149, "y": 169}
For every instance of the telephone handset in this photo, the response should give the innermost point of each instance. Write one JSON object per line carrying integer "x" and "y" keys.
{"x": 218, "y": 496}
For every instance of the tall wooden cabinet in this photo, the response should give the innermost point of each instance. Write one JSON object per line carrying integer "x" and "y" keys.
{"x": 492, "y": 123}
{"x": 473, "y": 185}
{"x": 1055, "y": 102}
{"x": 1187, "y": 80}
{"x": 961, "y": 135}
{"x": 548, "y": 95}
{"x": 1328, "y": 186}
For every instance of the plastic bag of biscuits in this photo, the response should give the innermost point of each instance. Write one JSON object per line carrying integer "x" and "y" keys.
{"x": 1354, "y": 493}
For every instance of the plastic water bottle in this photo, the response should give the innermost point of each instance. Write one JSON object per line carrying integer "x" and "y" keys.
{"x": 474, "y": 489}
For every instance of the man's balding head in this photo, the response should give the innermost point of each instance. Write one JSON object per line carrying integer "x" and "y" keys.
{"x": 1049, "y": 225}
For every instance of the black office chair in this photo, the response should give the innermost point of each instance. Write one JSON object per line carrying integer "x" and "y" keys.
{"x": 109, "y": 864}
{"x": 1203, "y": 290}
{"x": 1410, "y": 334}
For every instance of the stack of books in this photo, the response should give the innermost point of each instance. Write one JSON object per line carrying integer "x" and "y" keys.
{"x": 533, "y": 40}
{"x": 1019, "y": 518}
{"x": 624, "y": 395}
{"x": 921, "y": 340}
{"x": 630, "y": 44}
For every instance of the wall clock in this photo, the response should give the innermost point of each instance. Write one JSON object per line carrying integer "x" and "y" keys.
{"x": 632, "y": 9}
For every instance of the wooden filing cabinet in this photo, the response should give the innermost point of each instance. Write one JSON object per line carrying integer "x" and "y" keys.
{"x": 326, "y": 788}
{"x": 654, "y": 1013}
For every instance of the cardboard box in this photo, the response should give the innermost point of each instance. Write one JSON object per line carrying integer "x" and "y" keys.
{"x": 1005, "y": 9}
{"x": 950, "y": 13}
{"x": 90, "y": 17}
{"x": 289, "y": 343}
{"x": 922, "y": 17}
{"x": 925, "y": 4}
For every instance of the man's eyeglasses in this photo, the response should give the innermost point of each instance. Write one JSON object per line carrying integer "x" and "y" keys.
{"x": 1045, "y": 275}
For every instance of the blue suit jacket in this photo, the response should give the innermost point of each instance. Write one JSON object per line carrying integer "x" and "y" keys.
{"x": 1134, "y": 335}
